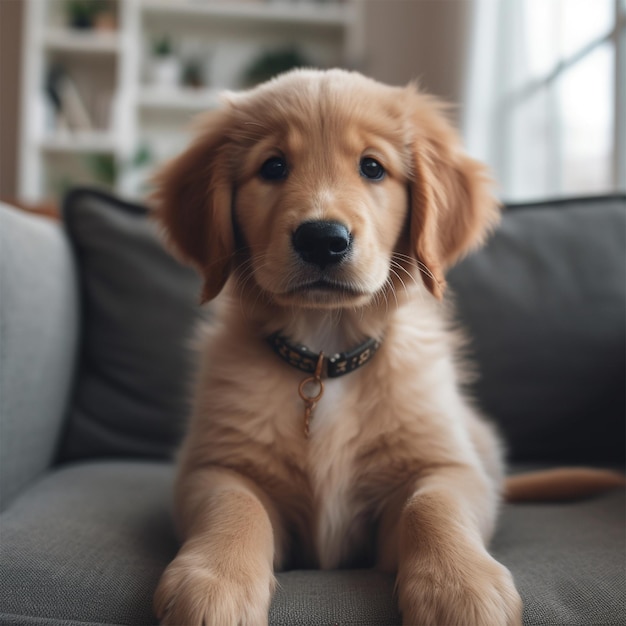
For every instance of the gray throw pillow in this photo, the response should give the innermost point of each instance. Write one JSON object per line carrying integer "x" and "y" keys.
{"x": 545, "y": 305}
{"x": 139, "y": 308}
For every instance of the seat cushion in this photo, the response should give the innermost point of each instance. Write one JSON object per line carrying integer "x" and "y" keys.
{"x": 567, "y": 559}
{"x": 545, "y": 306}
{"x": 87, "y": 544}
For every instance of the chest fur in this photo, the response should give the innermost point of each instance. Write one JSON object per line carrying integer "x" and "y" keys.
{"x": 315, "y": 481}
{"x": 331, "y": 486}
{"x": 340, "y": 514}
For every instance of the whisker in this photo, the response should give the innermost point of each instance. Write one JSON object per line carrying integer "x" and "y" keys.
{"x": 392, "y": 286}
{"x": 418, "y": 264}
{"x": 400, "y": 267}
{"x": 246, "y": 271}
{"x": 400, "y": 279}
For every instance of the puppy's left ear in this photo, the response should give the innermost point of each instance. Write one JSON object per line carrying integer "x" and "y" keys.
{"x": 452, "y": 206}
{"x": 192, "y": 200}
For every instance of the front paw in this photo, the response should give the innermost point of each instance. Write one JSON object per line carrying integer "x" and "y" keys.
{"x": 192, "y": 593}
{"x": 465, "y": 590}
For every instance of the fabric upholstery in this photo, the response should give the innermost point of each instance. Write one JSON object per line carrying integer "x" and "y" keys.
{"x": 90, "y": 540}
{"x": 86, "y": 542}
{"x": 547, "y": 336}
{"x": 545, "y": 306}
{"x": 39, "y": 321}
{"x": 567, "y": 559}
{"x": 139, "y": 309}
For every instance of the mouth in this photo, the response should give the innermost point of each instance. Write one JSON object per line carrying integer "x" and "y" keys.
{"x": 327, "y": 286}
{"x": 323, "y": 293}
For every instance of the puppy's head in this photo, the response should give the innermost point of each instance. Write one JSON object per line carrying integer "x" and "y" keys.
{"x": 324, "y": 190}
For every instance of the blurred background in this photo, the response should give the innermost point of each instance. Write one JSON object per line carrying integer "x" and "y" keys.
{"x": 100, "y": 91}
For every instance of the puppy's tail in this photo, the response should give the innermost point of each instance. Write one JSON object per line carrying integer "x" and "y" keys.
{"x": 557, "y": 485}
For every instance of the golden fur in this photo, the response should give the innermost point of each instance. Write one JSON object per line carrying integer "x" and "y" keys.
{"x": 399, "y": 470}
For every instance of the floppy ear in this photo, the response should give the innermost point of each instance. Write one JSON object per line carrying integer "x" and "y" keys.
{"x": 452, "y": 206}
{"x": 193, "y": 198}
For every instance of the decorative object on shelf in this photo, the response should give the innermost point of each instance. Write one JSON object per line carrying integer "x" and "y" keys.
{"x": 136, "y": 173}
{"x": 69, "y": 107}
{"x": 165, "y": 66}
{"x": 80, "y": 13}
{"x": 107, "y": 92}
{"x": 104, "y": 169}
{"x": 101, "y": 169}
{"x": 193, "y": 74}
{"x": 87, "y": 14}
{"x": 270, "y": 63}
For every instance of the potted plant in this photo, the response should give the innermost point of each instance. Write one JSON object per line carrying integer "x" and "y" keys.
{"x": 164, "y": 64}
{"x": 269, "y": 63}
{"x": 81, "y": 13}
{"x": 193, "y": 74}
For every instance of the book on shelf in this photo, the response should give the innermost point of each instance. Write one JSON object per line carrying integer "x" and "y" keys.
{"x": 71, "y": 111}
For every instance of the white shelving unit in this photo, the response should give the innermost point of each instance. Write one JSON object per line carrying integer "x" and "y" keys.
{"x": 129, "y": 113}
{"x": 66, "y": 40}
{"x": 181, "y": 99}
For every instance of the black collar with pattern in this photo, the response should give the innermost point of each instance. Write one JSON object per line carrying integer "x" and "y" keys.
{"x": 306, "y": 360}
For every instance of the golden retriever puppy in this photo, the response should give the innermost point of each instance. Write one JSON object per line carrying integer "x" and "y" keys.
{"x": 329, "y": 428}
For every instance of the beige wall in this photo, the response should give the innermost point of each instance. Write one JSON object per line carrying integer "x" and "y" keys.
{"x": 423, "y": 39}
{"x": 10, "y": 65}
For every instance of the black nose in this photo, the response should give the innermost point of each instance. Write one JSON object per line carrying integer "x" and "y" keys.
{"x": 322, "y": 243}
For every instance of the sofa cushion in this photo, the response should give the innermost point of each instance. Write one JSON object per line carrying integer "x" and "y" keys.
{"x": 87, "y": 545}
{"x": 567, "y": 559}
{"x": 545, "y": 306}
{"x": 139, "y": 309}
{"x": 90, "y": 541}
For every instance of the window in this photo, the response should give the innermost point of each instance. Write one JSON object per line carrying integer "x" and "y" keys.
{"x": 557, "y": 122}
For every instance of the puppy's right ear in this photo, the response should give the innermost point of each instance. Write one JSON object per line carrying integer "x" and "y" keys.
{"x": 192, "y": 201}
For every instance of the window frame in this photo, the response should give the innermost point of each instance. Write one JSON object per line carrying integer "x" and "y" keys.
{"x": 511, "y": 102}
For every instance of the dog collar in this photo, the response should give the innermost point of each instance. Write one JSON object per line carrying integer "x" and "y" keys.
{"x": 319, "y": 366}
{"x": 306, "y": 360}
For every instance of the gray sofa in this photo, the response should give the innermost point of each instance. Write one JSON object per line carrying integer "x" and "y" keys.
{"x": 94, "y": 325}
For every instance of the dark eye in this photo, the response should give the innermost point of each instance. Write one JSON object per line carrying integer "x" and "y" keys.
{"x": 371, "y": 169}
{"x": 275, "y": 168}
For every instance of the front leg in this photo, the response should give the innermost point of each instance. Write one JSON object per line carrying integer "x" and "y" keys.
{"x": 445, "y": 574}
{"x": 223, "y": 573}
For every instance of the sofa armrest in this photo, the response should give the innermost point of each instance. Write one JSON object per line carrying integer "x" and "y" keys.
{"x": 39, "y": 327}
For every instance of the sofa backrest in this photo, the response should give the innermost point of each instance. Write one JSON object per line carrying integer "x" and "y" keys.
{"x": 544, "y": 303}
{"x": 545, "y": 306}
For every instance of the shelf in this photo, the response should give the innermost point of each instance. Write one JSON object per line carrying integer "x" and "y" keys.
{"x": 106, "y": 69}
{"x": 178, "y": 99}
{"x": 89, "y": 42}
{"x": 308, "y": 14}
{"x": 102, "y": 142}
